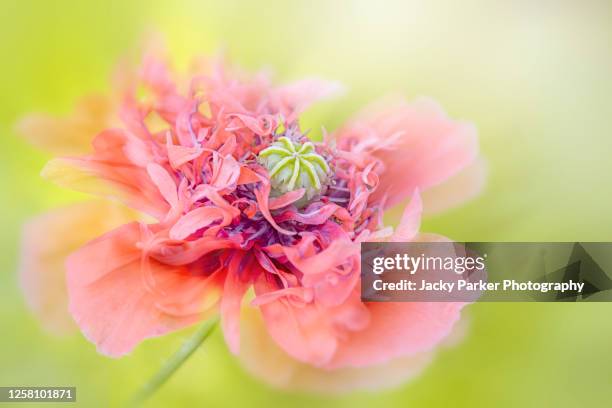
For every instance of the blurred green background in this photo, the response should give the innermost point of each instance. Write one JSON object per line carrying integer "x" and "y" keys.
{"x": 535, "y": 76}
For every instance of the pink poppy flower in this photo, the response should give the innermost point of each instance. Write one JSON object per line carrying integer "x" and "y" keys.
{"x": 236, "y": 209}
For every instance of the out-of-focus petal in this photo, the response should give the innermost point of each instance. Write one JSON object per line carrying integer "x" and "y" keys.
{"x": 72, "y": 134}
{"x": 294, "y": 98}
{"x": 118, "y": 300}
{"x": 460, "y": 188}
{"x": 46, "y": 242}
{"x": 263, "y": 358}
{"x": 417, "y": 142}
{"x": 81, "y": 175}
{"x": 410, "y": 222}
{"x": 111, "y": 173}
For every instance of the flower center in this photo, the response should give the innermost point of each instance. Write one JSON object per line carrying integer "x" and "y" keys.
{"x": 293, "y": 165}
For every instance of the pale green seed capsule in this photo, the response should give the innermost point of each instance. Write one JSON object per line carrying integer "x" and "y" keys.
{"x": 292, "y": 165}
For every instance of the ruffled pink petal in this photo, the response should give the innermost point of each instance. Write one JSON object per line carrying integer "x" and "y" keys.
{"x": 417, "y": 143}
{"x": 46, "y": 242}
{"x": 113, "y": 302}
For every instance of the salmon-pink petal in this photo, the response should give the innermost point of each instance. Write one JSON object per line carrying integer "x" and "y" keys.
{"x": 209, "y": 192}
{"x": 262, "y": 357}
{"x": 226, "y": 172}
{"x": 338, "y": 252}
{"x": 262, "y": 195}
{"x": 460, "y": 188}
{"x": 417, "y": 142}
{"x": 303, "y": 331}
{"x": 247, "y": 176}
{"x": 196, "y": 219}
{"x": 287, "y": 278}
{"x": 46, "y": 242}
{"x": 185, "y": 132}
{"x": 334, "y": 287}
{"x": 187, "y": 252}
{"x": 237, "y": 281}
{"x": 164, "y": 182}
{"x": 72, "y": 134}
{"x": 296, "y": 293}
{"x": 316, "y": 216}
{"x": 397, "y": 330}
{"x": 179, "y": 155}
{"x": 111, "y": 300}
{"x": 262, "y": 125}
{"x": 200, "y": 298}
{"x": 286, "y": 199}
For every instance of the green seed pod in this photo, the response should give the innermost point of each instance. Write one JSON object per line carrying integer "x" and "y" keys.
{"x": 292, "y": 166}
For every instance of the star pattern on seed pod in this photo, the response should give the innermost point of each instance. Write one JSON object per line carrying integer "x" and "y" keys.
{"x": 293, "y": 165}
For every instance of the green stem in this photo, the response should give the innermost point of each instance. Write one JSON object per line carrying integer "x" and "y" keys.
{"x": 176, "y": 361}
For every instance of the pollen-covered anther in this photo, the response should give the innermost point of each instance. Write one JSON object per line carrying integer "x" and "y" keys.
{"x": 292, "y": 165}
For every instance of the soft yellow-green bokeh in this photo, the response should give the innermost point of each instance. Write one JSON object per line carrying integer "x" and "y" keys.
{"x": 535, "y": 76}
